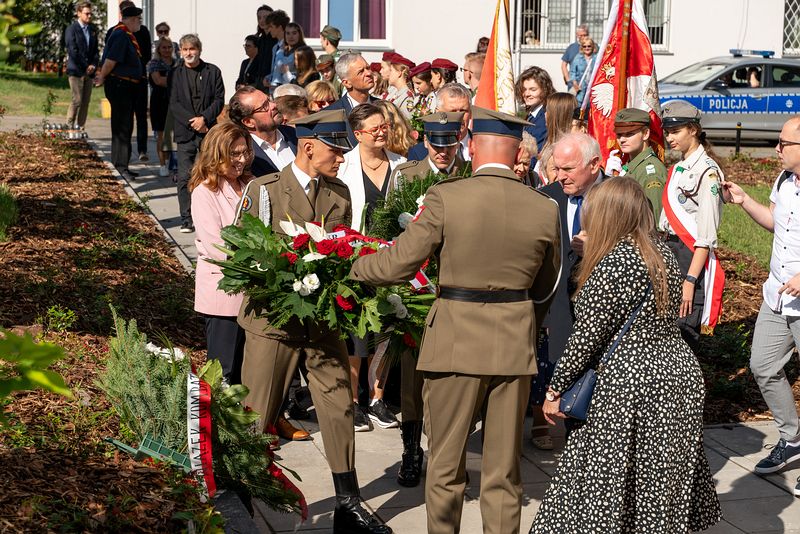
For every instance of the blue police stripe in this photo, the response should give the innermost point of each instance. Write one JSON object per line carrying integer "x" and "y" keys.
{"x": 786, "y": 103}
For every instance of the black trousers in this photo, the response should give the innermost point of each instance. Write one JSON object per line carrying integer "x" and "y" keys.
{"x": 121, "y": 94}
{"x": 140, "y": 110}
{"x": 225, "y": 342}
{"x": 690, "y": 325}
{"x": 187, "y": 152}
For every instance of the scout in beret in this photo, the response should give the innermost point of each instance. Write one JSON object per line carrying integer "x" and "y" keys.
{"x": 443, "y": 71}
{"x": 421, "y": 77}
{"x": 632, "y": 128}
{"x": 329, "y": 38}
{"x": 398, "y": 92}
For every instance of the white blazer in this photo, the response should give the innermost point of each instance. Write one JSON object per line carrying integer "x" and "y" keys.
{"x": 350, "y": 173}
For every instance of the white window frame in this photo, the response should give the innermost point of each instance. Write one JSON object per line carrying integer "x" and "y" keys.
{"x": 789, "y": 51}
{"x": 545, "y": 45}
{"x": 358, "y": 43}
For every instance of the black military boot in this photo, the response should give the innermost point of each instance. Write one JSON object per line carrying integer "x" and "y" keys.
{"x": 349, "y": 517}
{"x": 411, "y": 465}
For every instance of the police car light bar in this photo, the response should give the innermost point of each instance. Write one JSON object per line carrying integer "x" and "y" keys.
{"x": 736, "y": 52}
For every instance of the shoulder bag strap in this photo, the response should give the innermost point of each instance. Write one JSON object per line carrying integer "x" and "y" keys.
{"x": 627, "y": 326}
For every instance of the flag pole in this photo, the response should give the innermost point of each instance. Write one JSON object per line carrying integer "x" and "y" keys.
{"x": 622, "y": 77}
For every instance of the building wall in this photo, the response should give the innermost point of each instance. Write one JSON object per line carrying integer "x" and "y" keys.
{"x": 424, "y": 29}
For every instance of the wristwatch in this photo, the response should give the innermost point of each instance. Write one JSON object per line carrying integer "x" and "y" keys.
{"x": 551, "y": 395}
{"x": 692, "y": 279}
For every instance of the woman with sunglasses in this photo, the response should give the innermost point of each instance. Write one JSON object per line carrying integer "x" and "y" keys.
{"x": 366, "y": 171}
{"x": 219, "y": 175}
{"x": 690, "y": 218}
{"x": 581, "y": 69}
{"x": 321, "y": 94}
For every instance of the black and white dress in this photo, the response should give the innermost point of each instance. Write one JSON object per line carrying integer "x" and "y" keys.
{"x": 637, "y": 464}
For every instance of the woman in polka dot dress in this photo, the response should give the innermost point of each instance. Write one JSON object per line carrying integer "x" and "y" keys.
{"x": 637, "y": 464}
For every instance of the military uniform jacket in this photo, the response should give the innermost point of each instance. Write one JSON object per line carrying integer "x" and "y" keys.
{"x": 651, "y": 174}
{"x": 489, "y": 232}
{"x": 272, "y": 198}
{"x": 417, "y": 170}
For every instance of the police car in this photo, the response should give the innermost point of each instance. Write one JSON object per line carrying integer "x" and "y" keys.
{"x": 749, "y": 86}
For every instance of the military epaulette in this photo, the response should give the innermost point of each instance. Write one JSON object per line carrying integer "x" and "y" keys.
{"x": 539, "y": 191}
{"x": 267, "y": 178}
{"x": 408, "y": 165}
{"x": 451, "y": 179}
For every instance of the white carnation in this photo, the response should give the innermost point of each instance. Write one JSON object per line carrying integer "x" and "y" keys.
{"x": 394, "y": 299}
{"x": 404, "y": 219}
{"x": 175, "y": 354}
{"x": 311, "y": 281}
{"x": 297, "y": 285}
{"x": 304, "y": 291}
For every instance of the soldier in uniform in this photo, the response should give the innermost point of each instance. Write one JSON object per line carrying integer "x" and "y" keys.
{"x": 307, "y": 190}
{"x": 497, "y": 245}
{"x": 692, "y": 208}
{"x": 632, "y": 128}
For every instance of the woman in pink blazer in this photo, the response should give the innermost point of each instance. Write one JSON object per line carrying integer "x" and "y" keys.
{"x": 219, "y": 175}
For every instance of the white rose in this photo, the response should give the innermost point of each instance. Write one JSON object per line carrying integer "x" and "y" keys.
{"x": 404, "y": 218}
{"x": 311, "y": 281}
{"x": 394, "y": 299}
{"x": 297, "y": 286}
{"x": 304, "y": 291}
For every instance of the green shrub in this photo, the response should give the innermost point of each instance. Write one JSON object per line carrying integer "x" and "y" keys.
{"x": 8, "y": 210}
{"x": 58, "y": 318}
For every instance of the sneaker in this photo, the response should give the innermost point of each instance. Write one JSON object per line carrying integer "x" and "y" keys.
{"x": 187, "y": 228}
{"x": 163, "y": 171}
{"x": 360, "y": 420}
{"x": 782, "y": 454}
{"x": 381, "y": 415}
{"x": 143, "y": 156}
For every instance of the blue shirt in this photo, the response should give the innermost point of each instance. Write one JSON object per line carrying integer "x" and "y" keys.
{"x": 572, "y": 50}
{"x": 576, "y": 74}
{"x": 119, "y": 48}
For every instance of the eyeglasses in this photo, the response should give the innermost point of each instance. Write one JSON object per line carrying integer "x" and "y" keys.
{"x": 587, "y": 47}
{"x": 323, "y": 103}
{"x": 383, "y": 128}
{"x": 783, "y": 144}
{"x": 241, "y": 154}
{"x": 262, "y": 107}
{"x": 466, "y": 70}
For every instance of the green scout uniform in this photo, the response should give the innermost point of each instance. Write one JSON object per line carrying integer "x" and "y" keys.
{"x": 651, "y": 174}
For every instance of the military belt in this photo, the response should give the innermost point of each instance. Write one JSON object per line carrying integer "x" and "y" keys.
{"x": 485, "y": 296}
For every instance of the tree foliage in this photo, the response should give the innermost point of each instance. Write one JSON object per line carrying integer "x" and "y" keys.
{"x": 12, "y": 31}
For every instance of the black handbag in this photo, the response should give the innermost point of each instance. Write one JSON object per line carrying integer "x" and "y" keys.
{"x": 576, "y": 400}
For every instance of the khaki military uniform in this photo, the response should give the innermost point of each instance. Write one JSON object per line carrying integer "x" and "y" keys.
{"x": 651, "y": 174}
{"x": 410, "y": 378}
{"x": 490, "y": 232}
{"x": 270, "y": 354}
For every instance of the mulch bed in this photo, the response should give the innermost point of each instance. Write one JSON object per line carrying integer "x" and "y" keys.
{"x": 80, "y": 243}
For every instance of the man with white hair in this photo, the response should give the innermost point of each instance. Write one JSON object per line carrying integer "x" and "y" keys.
{"x": 353, "y": 71}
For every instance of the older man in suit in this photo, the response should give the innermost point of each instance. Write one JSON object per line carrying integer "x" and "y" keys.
{"x": 82, "y": 58}
{"x": 353, "y": 71}
{"x": 274, "y": 145}
{"x": 307, "y": 190}
{"x": 498, "y": 252}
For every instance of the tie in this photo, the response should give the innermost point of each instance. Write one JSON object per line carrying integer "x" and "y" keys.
{"x": 86, "y": 34}
{"x": 576, "y": 220}
{"x": 312, "y": 191}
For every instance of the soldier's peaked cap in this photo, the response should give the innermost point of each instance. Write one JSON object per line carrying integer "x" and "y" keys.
{"x": 329, "y": 126}
{"x": 491, "y": 122}
{"x": 441, "y": 128}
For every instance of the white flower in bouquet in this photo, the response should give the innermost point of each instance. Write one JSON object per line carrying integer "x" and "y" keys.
{"x": 311, "y": 282}
{"x": 290, "y": 228}
{"x": 313, "y": 256}
{"x": 404, "y": 219}
{"x": 400, "y": 311}
{"x": 175, "y": 354}
{"x": 257, "y": 265}
{"x": 394, "y": 299}
{"x": 317, "y": 233}
{"x": 420, "y": 200}
{"x": 297, "y": 285}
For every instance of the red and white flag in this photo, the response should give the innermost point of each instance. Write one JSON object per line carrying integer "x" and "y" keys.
{"x": 624, "y": 76}
{"x": 496, "y": 88}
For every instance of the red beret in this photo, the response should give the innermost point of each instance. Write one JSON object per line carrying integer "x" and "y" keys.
{"x": 419, "y": 69}
{"x": 375, "y": 67}
{"x": 446, "y": 64}
{"x": 387, "y": 57}
{"x": 400, "y": 60}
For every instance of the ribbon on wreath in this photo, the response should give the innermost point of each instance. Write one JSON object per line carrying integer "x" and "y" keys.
{"x": 198, "y": 426}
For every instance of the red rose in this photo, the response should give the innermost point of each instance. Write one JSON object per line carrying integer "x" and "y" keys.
{"x": 366, "y": 251}
{"x": 345, "y": 303}
{"x": 300, "y": 241}
{"x": 326, "y": 246}
{"x": 344, "y": 250}
{"x": 408, "y": 340}
{"x": 346, "y": 229}
{"x": 291, "y": 256}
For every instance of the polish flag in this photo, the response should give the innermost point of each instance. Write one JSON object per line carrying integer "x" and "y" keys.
{"x": 496, "y": 88}
{"x": 624, "y": 76}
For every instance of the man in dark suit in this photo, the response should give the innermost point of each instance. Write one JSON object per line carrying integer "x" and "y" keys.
{"x": 451, "y": 98}
{"x": 197, "y": 96}
{"x": 575, "y": 175}
{"x": 353, "y": 71}
{"x": 145, "y": 41}
{"x": 274, "y": 146}
{"x": 82, "y": 59}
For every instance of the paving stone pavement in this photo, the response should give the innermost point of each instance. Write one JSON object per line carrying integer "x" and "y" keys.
{"x": 750, "y": 503}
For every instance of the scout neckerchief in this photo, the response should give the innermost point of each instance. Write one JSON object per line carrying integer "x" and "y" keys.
{"x": 132, "y": 37}
{"x": 685, "y": 227}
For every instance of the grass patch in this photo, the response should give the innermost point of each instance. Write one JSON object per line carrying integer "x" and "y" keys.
{"x": 24, "y": 93}
{"x": 8, "y": 210}
{"x": 739, "y": 232}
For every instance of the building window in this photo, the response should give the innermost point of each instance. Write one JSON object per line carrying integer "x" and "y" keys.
{"x": 791, "y": 28}
{"x": 551, "y": 24}
{"x": 360, "y": 21}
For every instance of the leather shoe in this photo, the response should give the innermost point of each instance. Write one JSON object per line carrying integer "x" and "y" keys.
{"x": 350, "y": 517}
{"x": 297, "y": 412}
{"x": 288, "y": 431}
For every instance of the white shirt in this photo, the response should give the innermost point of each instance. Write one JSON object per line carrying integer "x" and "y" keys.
{"x": 434, "y": 168}
{"x": 303, "y": 178}
{"x": 465, "y": 148}
{"x": 353, "y": 103}
{"x": 572, "y": 205}
{"x": 492, "y": 165}
{"x": 281, "y": 155}
{"x": 785, "y": 260}
{"x": 535, "y": 112}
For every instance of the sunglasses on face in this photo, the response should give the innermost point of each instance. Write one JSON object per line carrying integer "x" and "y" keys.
{"x": 324, "y": 103}
{"x": 241, "y": 154}
{"x": 383, "y": 128}
{"x": 262, "y": 107}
